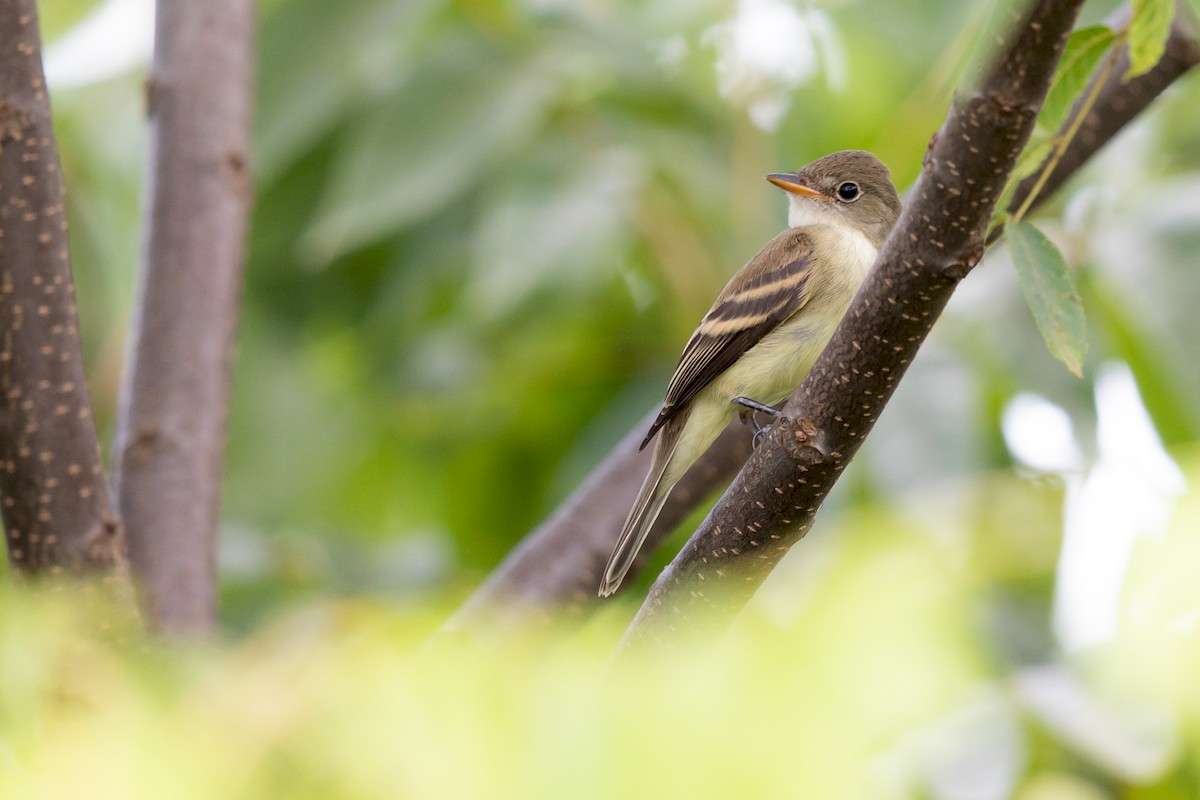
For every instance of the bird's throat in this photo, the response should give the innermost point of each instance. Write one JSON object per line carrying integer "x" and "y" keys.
{"x": 803, "y": 211}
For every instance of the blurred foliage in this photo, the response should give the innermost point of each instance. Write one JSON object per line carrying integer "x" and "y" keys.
{"x": 877, "y": 675}
{"x": 483, "y": 230}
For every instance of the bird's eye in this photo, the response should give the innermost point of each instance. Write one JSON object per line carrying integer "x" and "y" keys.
{"x": 848, "y": 191}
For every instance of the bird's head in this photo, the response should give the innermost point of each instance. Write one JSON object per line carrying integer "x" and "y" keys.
{"x": 850, "y": 187}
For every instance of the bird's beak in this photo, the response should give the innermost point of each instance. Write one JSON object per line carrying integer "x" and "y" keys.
{"x": 787, "y": 182}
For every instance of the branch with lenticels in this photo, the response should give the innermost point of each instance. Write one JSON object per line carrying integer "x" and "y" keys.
{"x": 53, "y": 497}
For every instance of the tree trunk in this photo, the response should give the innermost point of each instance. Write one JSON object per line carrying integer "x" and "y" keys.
{"x": 53, "y": 497}
{"x": 174, "y": 400}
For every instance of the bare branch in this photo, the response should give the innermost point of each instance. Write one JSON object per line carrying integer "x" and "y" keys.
{"x": 55, "y": 504}
{"x": 937, "y": 241}
{"x": 174, "y": 402}
{"x": 557, "y": 567}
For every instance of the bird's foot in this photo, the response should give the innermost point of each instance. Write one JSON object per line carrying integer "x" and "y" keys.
{"x": 758, "y": 436}
{"x": 749, "y": 408}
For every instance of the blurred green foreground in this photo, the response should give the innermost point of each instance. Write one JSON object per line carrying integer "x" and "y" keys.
{"x": 880, "y": 676}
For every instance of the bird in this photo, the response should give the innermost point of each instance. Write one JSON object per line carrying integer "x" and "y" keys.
{"x": 767, "y": 326}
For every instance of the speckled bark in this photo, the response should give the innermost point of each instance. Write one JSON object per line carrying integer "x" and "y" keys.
{"x": 939, "y": 238}
{"x": 174, "y": 401}
{"x": 54, "y": 501}
{"x": 554, "y": 566}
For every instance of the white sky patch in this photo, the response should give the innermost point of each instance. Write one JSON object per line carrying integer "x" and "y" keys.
{"x": 1128, "y": 492}
{"x": 1039, "y": 434}
{"x": 115, "y": 38}
{"x": 767, "y": 49}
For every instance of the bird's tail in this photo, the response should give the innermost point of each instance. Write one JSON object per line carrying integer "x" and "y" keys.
{"x": 641, "y": 517}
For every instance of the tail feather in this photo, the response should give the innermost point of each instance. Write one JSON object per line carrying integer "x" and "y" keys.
{"x": 641, "y": 517}
{"x": 631, "y": 541}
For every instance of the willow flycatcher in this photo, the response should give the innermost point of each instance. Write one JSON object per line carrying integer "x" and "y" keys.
{"x": 768, "y": 325}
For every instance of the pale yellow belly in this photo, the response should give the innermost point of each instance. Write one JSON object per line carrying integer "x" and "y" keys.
{"x": 768, "y": 373}
{"x": 773, "y": 368}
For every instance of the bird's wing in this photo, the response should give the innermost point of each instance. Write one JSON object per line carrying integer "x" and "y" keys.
{"x": 755, "y": 302}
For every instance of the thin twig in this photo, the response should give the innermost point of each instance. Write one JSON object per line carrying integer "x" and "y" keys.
{"x": 1079, "y": 114}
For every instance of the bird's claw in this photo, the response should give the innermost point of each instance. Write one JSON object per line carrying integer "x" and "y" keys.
{"x": 747, "y": 415}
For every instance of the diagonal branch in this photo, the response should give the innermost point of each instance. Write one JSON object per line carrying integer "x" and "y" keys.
{"x": 557, "y": 567}
{"x": 55, "y": 504}
{"x": 559, "y": 564}
{"x": 937, "y": 241}
{"x": 174, "y": 402}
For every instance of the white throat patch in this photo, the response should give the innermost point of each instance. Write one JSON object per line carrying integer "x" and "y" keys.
{"x": 803, "y": 211}
{"x": 854, "y": 249}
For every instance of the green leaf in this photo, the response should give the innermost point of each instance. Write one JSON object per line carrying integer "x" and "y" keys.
{"x": 435, "y": 139}
{"x": 1050, "y": 294}
{"x": 1036, "y": 151}
{"x": 324, "y": 66}
{"x": 565, "y": 224}
{"x": 1148, "y": 31}
{"x": 1082, "y": 54}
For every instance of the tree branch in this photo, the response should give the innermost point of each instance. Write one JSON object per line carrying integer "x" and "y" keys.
{"x": 55, "y": 504}
{"x": 939, "y": 238}
{"x": 559, "y": 564}
{"x": 174, "y": 401}
{"x": 1117, "y": 103}
{"x": 557, "y": 567}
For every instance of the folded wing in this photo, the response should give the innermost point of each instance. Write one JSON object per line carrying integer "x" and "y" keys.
{"x": 759, "y": 298}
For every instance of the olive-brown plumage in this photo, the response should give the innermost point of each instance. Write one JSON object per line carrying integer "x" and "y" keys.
{"x": 768, "y": 325}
